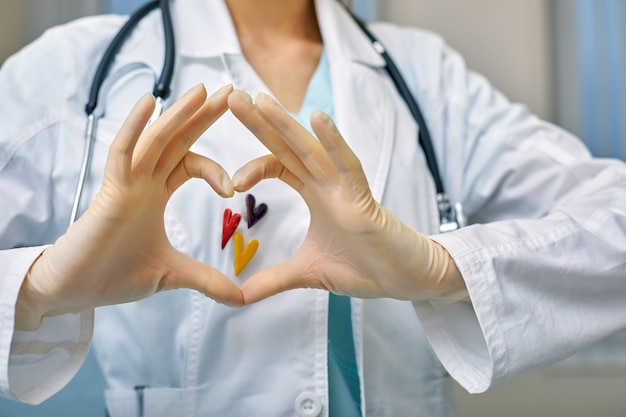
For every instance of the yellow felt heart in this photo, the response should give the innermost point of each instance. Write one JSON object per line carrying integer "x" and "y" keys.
{"x": 243, "y": 255}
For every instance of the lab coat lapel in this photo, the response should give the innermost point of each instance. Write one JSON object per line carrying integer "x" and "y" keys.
{"x": 365, "y": 116}
{"x": 364, "y": 105}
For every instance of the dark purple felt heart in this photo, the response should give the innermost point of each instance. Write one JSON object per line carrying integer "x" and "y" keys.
{"x": 255, "y": 213}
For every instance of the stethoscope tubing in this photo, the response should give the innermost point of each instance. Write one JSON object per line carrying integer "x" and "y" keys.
{"x": 424, "y": 138}
{"x": 450, "y": 217}
{"x": 90, "y": 136}
{"x": 112, "y": 50}
{"x": 161, "y": 91}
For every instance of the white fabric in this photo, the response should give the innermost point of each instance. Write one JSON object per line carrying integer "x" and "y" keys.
{"x": 540, "y": 287}
{"x": 51, "y": 355}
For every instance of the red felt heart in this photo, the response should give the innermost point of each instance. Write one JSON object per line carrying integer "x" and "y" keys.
{"x": 231, "y": 221}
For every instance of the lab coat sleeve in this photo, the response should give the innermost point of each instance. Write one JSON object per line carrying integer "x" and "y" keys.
{"x": 540, "y": 289}
{"x": 35, "y": 365}
{"x": 545, "y": 258}
{"x": 36, "y": 84}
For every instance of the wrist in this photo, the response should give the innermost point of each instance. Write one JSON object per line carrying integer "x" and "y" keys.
{"x": 30, "y": 307}
{"x": 28, "y": 317}
{"x": 450, "y": 283}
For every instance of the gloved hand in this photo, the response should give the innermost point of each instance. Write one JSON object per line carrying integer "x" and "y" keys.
{"x": 118, "y": 250}
{"x": 354, "y": 246}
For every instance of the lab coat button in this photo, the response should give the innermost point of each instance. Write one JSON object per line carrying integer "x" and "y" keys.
{"x": 308, "y": 405}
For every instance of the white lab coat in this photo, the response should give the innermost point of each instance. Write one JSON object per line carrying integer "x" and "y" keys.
{"x": 541, "y": 286}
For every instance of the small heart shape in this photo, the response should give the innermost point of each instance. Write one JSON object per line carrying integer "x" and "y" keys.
{"x": 231, "y": 221}
{"x": 255, "y": 213}
{"x": 243, "y": 255}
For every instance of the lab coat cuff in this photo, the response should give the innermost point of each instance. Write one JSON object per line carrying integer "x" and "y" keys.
{"x": 14, "y": 264}
{"x": 34, "y": 365}
{"x": 466, "y": 336}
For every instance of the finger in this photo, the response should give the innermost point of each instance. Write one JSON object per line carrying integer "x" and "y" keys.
{"x": 245, "y": 110}
{"x": 284, "y": 277}
{"x": 121, "y": 149}
{"x": 151, "y": 144}
{"x": 212, "y": 109}
{"x": 304, "y": 145}
{"x": 197, "y": 166}
{"x": 346, "y": 162}
{"x": 348, "y": 165}
{"x": 195, "y": 275}
{"x": 265, "y": 167}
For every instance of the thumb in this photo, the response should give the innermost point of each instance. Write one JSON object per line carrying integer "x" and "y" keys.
{"x": 271, "y": 281}
{"x": 190, "y": 273}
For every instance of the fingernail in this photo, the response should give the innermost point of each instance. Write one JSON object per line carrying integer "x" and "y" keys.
{"x": 324, "y": 118}
{"x": 238, "y": 180}
{"x": 266, "y": 97}
{"x": 227, "y": 187}
{"x": 195, "y": 90}
{"x": 199, "y": 87}
{"x": 228, "y": 87}
{"x": 147, "y": 96}
{"x": 243, "y": 95}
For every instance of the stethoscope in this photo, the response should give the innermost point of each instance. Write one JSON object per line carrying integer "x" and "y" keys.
{"x": 160, "y": 91}
{"x": 450, "y": 216}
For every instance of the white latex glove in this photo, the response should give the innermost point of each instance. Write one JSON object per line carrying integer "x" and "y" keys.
{"x": 354, "y": 246}
{"x": 118, "y": 251}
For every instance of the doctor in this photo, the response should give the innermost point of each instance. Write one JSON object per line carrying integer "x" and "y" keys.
{"x": 538, "y": 274}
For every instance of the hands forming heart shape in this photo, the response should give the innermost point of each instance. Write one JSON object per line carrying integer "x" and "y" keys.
{"x": 118, "y": 251}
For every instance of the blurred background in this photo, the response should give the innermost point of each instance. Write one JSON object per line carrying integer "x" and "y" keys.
{"x": 564, "y": 59}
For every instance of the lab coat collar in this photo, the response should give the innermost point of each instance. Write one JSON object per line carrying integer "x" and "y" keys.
{"x": 204, "y": 28}
{"x": 343, "y": 39}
